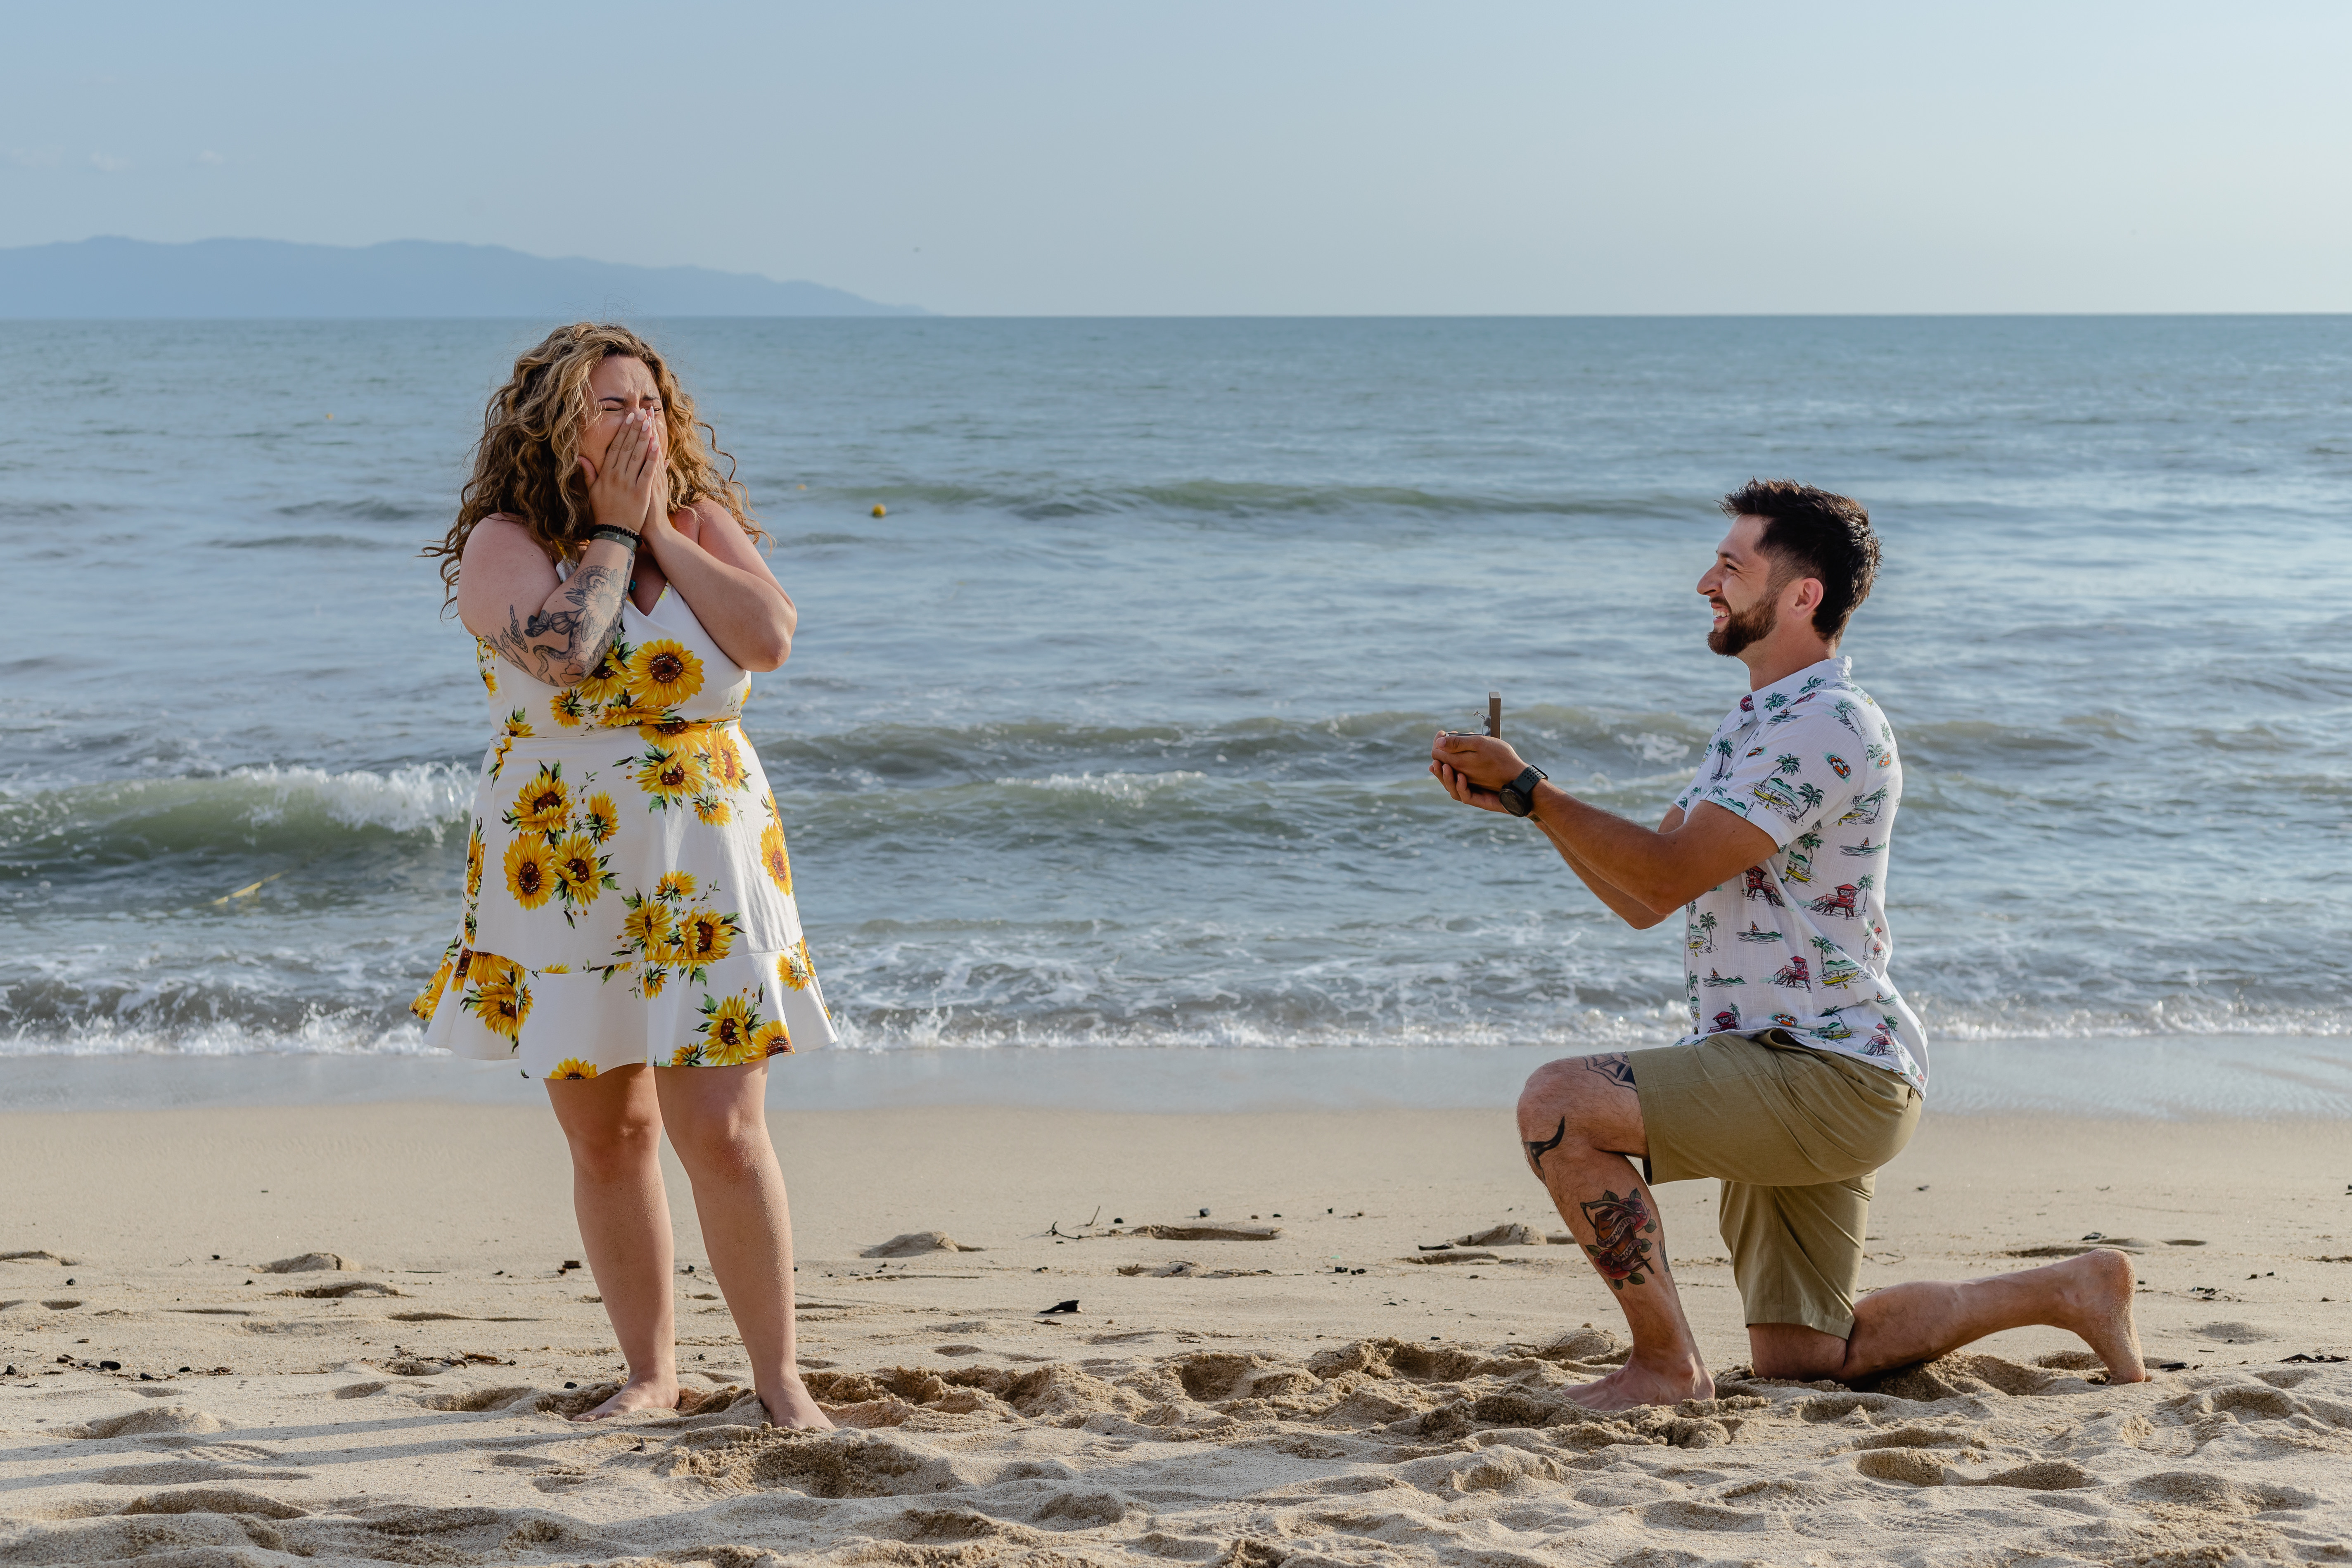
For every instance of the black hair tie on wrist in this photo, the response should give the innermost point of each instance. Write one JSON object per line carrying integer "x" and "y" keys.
{"x": 620, "y": 536}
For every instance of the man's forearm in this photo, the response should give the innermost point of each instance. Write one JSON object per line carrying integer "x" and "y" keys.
{"x": 1626, "y": 907}
{"x": 1607, "y": 851}
{"x": 1642, "y": 874}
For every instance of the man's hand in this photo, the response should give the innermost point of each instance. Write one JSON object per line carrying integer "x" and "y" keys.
{"x": 1472, "y": 768}
{"x": 1643, "y": 875}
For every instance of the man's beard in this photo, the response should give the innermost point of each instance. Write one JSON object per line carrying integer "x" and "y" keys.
{"x": 1741, "y": 628}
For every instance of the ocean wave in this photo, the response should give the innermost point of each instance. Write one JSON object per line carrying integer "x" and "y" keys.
{"x": 1590, "y": 1029}
{"x": 371, "y": 509}
{"x": 1624, "y": 750}
{"x": 1241, "y": 500}
{"x": 368, "y": 1032}
{"x": 13, "y": 510}
{"x": 343, "y": 1032}
{"x": 287, "y": 810}
{"x": 312, "y": 541}
{"x": 1132, "y": 789}
{"x": 420, "y": 797}
{"x": 2180, "y": 1015}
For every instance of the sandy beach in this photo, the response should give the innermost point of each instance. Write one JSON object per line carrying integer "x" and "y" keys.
{"x": 1331, "y": 1394}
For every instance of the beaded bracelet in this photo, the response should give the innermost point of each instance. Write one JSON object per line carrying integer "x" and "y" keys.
{"x": 620, "y": 536}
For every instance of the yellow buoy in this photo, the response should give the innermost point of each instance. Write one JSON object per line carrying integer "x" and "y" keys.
{"x": 881, "y": 510}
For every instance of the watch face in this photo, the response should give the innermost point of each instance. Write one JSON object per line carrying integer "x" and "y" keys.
{"x": 1519, "y": 794}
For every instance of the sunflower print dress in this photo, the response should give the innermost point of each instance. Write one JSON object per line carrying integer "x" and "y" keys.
{"x": 628, "y": 893}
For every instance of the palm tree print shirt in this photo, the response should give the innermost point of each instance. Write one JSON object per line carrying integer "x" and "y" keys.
{"x": 1801, "y": 943}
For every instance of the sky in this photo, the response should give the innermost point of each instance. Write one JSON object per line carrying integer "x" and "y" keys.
{"x": 1283, "y": 157}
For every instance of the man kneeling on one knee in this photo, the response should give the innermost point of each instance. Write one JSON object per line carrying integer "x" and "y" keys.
{"x": 1803, "y": 1069}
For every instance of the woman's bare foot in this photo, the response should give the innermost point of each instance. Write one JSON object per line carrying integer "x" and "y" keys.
{"x": 651, "y": 1392}
{"x": 1634, "y": 1385}
{"x": 790, "y": 1404}
{"x": 2095, "y": 1302}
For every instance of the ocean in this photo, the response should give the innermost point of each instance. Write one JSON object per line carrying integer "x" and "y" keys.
{"x": 1112, "y": 731}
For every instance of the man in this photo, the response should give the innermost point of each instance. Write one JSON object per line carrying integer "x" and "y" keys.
{"x": 1804, "y": 1069}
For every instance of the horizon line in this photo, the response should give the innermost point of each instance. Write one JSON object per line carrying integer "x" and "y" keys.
{"x": 1322, "y": 316}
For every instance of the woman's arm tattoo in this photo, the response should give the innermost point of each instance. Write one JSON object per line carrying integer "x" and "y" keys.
{"x": 557, "y": 646}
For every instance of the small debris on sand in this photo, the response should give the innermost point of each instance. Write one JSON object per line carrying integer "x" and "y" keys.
{"x": 915, "y": 1243}
{"x": 309, "y": 1263}
{"x": 1205, "y": 1232}
{"x": 1503, "y": 1236}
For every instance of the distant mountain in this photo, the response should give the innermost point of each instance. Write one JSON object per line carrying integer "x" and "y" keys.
{"x": 249, "y": 277}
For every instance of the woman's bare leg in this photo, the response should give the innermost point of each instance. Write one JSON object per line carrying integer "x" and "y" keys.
{"x": 613, "y": 1124}
{"x": 719, "y": 1125}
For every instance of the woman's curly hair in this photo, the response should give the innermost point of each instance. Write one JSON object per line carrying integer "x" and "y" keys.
{"x": 527, "y": 464}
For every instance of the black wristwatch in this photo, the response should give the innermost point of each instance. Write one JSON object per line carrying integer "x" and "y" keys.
{"x": 1519, "y": 794}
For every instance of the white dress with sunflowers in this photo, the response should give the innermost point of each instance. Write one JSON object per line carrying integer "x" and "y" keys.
{"x": 628, "y": 896}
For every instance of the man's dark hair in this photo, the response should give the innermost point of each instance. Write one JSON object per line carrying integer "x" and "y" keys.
{"x": 1810, "y": 532}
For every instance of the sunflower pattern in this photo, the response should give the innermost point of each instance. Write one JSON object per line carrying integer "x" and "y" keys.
{"x": 669, "y": 773}
{"x": 625, "y": 899}
{"x": 516, "y": 728}
{"x": 634, "y": 685}
{"x": 530, "y": 872}
{"x": 556, "y": 844}
{"x": 661, "y": 937}
{"x": 732, "y": 1032}
{"x": 431, "y": 995}
{"x": 476, "y": 853}
{"x": 665, "y": 672}
{"x": 496, "y": 991}
{"x": 544, "y": 803}
{"x": 773, "y": 853}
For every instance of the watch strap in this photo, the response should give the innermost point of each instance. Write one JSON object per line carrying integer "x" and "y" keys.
{"x": 1519, "y": 794}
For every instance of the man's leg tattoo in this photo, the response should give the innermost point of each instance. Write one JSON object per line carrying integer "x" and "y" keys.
{"x": 1535, "y": 1152}
{"x": 1617, "y": 1249}
{"x": 1613, "y": 1066}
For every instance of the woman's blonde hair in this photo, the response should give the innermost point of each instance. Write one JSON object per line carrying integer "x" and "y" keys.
{"x": 527, "y": 464}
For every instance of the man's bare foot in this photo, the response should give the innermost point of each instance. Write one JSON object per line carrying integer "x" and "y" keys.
{"x": 790, "y": 1404}
{"x": 1634, "y": 1385}
{"x": 651, "y": 1392}
{"x": 2095, "y": 1301}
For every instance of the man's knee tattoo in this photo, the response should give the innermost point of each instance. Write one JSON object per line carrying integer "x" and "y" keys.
{"x": 1617, "y": 1249}
{"x": 1535, "y": 1152}
{"x": 1613, "y": 1066}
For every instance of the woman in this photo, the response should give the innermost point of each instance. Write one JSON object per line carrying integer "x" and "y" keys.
{"x": 629, "y": 933}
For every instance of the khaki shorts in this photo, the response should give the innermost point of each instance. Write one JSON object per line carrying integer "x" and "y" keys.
{"x": 1796, "y": 1135}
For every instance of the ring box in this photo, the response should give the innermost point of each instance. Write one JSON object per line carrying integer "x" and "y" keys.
{"x": 1493, "y": 729}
